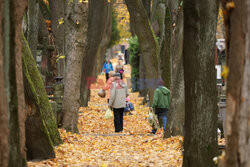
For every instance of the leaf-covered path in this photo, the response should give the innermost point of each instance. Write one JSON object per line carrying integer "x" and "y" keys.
{"x": 98, "y": 145}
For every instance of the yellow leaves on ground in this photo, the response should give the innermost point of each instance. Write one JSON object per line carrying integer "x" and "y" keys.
{"x": 98, "y": 145}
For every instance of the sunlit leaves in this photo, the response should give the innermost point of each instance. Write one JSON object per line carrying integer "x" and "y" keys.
{"x": 224, "y": 74}
{"x": 92, "y": 148}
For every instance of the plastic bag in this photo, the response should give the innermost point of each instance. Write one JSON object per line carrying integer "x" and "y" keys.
{"x": 108, "y": 114}
{"x": 153, "y": 120}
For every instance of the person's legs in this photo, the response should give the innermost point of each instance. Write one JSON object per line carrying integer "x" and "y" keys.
{"x": 121, "y": 119}
{"x": 116, "y": 119}
{"x": 107, "y": 76}
{"x": 164, "y": 121}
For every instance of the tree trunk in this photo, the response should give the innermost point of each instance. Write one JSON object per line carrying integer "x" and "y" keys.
{"x": 142, "y": 78}
{"x": 76, "y": 41}
{"x": 147, "y": 6}
{"x": 38, "y": 141}
{"x": 57, "y": 12}
{"x": 147, "y": 41}
{"x": 11, "y": 85}
{"x": 4, "y": 133}
{"x": 44, "y": 105}
{"x": 102, "y": 49}
{"x": 32, "y": 38}
{"x": 238, "y": 104}
{"x": 98, "y": 11}
{"x": 200, "y": 139}
{"x": 176, "y": 114}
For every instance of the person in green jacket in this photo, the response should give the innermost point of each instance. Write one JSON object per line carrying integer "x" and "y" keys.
{"x": 161, "y": 103}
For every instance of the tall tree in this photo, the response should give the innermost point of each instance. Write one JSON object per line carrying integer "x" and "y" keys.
{"x": 174, "y": 43}
{"x": 200, "y": 139}
{"x": 57, "y": 9}
{"x": 41, "y": 127}
{"x": 32, "y": 37}
{"x": 75, "y": 41}
{"x": 147, "y": 40}
{"x": 4, "y": 133}
{"x": 12, "y": 85}
{"x": 98, "y": 12}
{"x": 238, "y": 104}
{"x": 106, "y": 36}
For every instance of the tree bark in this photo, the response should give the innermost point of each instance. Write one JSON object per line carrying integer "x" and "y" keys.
{"x": 44, "y": 105}
{"x": 176, "y": 114}
{"x": 238, "y": 106}
{"x": 98, "y": 11}
{"x": 13, "y": 95}
{"x": 200, "y": 139}
{"x": 76, "y": 42}
{"x": 147, "y": 6}
{"x": 147, "y": 40}
{"x": 38, "y": 141}
{"x": 32, "y": 38}
{"x": 57, "y": 12}
{"x": 4, "y": 133}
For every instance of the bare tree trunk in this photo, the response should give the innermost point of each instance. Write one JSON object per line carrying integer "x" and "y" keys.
{"x": 32, "y": 38}
{"x": 4, "y": 133}
{"x": 98, "y": 11}
{"x": 200, "y": 139}
{"x": 76, "y": 41}
{"x": 38, "y": 139}
{"x": 147, "y": 6}
{"x": 57, "y": 9}
{"x": 43, "y": 105}
{"x": 238, "y": 104}
{"x": 102, "y": 49}
{"x": 13, "y": 84}
{"x": 176, "y": 113}
{"x": 148, "y": 43}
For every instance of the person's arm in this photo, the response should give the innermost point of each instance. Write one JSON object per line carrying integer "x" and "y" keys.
{"x": 112, "y": 95}
{"x": 155, "y": 100}
{"x": 127, "y": 92}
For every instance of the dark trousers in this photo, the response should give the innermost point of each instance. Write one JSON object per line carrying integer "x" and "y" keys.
{"x": 107, "y": 76}
{"x": 118, "y": 119}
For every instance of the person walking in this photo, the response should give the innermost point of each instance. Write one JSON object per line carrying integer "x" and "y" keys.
{"x": 108, "y": 84}
{"x": 161, "y": 103}
{"x": 117, "y": 101}
{"x": 120, "y": 68}
{"x": 107, "y": 67}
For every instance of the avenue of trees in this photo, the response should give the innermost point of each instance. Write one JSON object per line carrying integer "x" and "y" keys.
{"x": 174, "y": 40}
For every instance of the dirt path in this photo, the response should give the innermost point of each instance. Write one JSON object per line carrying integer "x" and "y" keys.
{"x": 98, "y": 145}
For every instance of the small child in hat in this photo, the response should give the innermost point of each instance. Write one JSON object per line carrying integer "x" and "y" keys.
{"x": 129, "y": 107}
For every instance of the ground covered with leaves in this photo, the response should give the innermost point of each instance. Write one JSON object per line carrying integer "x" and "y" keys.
{"x": 98, "y": 145}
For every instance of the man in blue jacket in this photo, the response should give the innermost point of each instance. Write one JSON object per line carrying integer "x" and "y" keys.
{"x": 107, "y": 67}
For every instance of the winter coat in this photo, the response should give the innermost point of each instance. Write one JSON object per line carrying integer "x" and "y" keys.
{"x": 161, "y": 97}
{"x": 107, "y": 67}
{"x": 118, "y": 94}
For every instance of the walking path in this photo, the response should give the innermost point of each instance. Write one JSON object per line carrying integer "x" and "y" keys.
{"x": 98, "y": 145}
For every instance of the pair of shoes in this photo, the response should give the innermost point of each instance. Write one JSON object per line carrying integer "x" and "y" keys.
{"x": 153, "y": 131}
{"x": 119, "y": 131}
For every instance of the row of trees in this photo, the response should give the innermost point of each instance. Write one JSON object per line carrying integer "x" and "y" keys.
{"x": 78, "y": 30}
{"x": 177, "y": 43}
